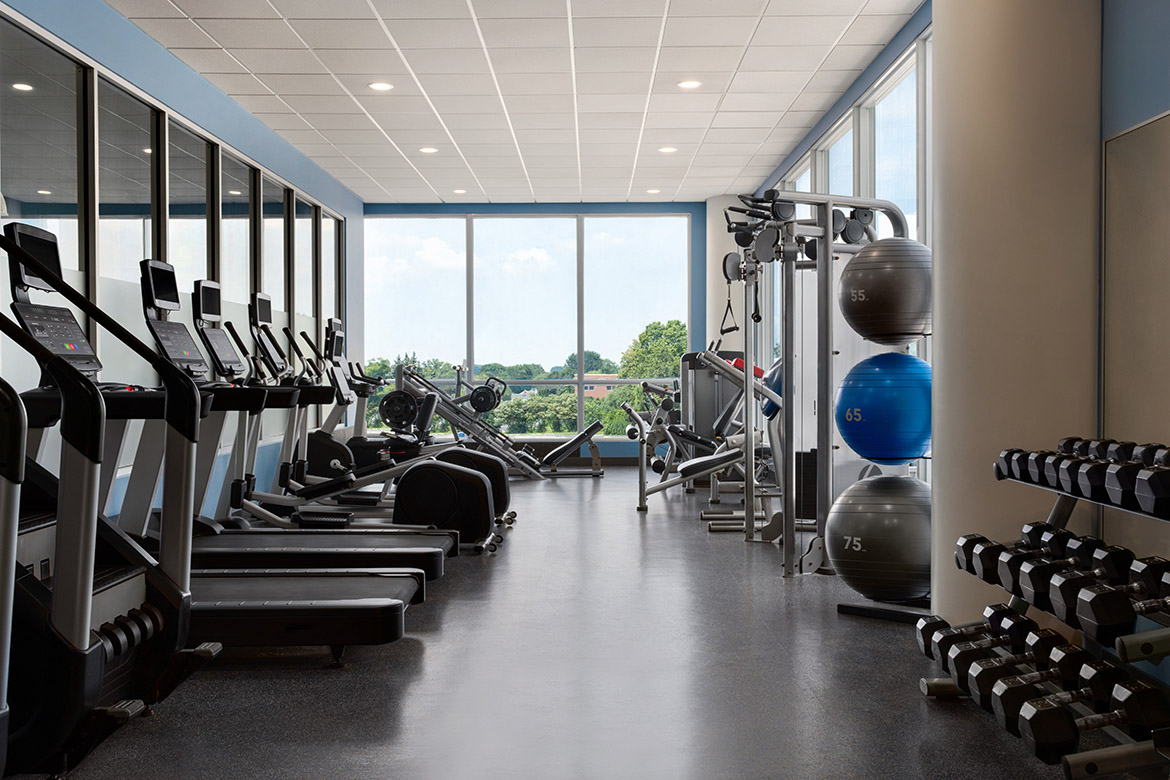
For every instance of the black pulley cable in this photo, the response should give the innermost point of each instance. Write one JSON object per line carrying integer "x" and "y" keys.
{"x": 724, "y": 328}
{"x": 756, "y": 318}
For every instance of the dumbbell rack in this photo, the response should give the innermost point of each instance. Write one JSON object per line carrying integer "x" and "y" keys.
{"x": 1128, "y": 754}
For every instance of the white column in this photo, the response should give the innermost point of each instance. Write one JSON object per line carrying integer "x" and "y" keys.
{"x": 1016, "y": 196}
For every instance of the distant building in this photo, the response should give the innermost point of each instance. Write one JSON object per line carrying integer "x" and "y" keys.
{"x": 597, "y": 386}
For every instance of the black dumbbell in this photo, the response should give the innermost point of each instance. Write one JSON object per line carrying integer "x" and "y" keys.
{"x": 1110, "y": 564}
{"x": 1051, "y": 731}
{"x": 985, "y": 553}
{"x": 1068, "y": 445}
{"x": 1040, "y": 646}
{"x": 1053, "y": 465}
{"x": 1012, "y": 633}
{"x": 929, "y": 629}
{"x": 1093, "y": 473}
{"x": 1146, "y": 577}
{"x": 1121, "y": 478}
{"x": 1152, "y": 490}
{"x": 1107, "y": 613}
{"x": 1036, "y": 461}
{"x": 1035, "y": 575}
{"x": 1094, "y": 678}
{"x": 1057, "y": 544}
{"x": 1003, "y": 463}
{"x": 1069, "y": 469}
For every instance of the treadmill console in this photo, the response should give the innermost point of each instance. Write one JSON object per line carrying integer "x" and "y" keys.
{"x": 223, "y": 356}
{"x": 39, "y": 243}
{"x": 56, "y": 328}
{"x": 177, "y": 346}
{"x": 206, "y": 301}
{"x": 161, "y": 285}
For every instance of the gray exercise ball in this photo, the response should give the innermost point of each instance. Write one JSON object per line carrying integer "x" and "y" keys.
{"x": 885, "y": 292}
{"x": 878, "y": 538}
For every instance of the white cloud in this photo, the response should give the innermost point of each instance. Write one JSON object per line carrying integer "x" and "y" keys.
{"x": 526, "y": 261}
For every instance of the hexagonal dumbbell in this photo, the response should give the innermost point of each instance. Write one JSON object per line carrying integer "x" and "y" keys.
{"x": 1152, "y": 490}
{"x": 1051, "y": 731}
{"x": 1035, "y": 574}
{"x": 1003, "y": 463}
{"x": 1092, "y": 474}
{"x": 1039, "y": 648}
{"x": 1095, "y": 679}
{"x": 1013, "y": 634}
{"x": 985, "y": 553}
{"x": 1106, "y": 613}
{"x": 1121, "y": 477}
{"x": 1057, "y": 545}
{"x": 930, "y": 628}
{"x": 1110, "y": 566}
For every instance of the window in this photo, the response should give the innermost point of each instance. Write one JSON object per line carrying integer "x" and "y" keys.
{"x": 329, "y": 255}
{"x": 840, "y": 160}
{"x": 272, "y": 265}
{"x": 303, "y": 286}
{"x": 235, "y": 239}
{"x": 187, "y": 229}
{"x": 895, "y": 125}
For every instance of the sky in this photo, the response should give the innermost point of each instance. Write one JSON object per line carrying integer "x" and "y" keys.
{"x": 525, "y": 285}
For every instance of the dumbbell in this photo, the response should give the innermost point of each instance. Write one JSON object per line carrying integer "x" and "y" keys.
{"x": 935, "y": 635}
{"x": 1068, "y": 445}
{"x": 1058, "y": 544}
{"x": 1013, "y": 634}
{"x": 1107, "y": 613}
{"x": 1069, "y": 469}
{"x": 1040, "y": 647}
{"x": 1051, "y": 731}
{"x": 1146, "y": 577}
{"x": 984, "y": 553}
{"x": 1110, "y": 564}
{"x": 1121, "y": 478}
{"x": 1152, "y": 490}
{"x": 1092, "y": 474}
{"x": 1094, "y": 678}
{"x": 1035, "y": 575}
{"x": 1003, "y": 463}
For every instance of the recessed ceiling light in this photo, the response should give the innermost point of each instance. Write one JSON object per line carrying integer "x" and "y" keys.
{"x": 690, "y": 84}
{"x": 146, "y": 150}
{"x": 668, "y": 150}
{"x": 234, "y": 192}
{"x": 22, "y": 87}
{"x": 428, "y": 150}
{"x": 381, "y": 86}
{"x": 44, "y": 192}
{"x": 460, "y": 192}
{"x": 653, "y": 192}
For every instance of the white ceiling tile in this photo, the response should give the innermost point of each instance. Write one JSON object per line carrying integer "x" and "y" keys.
{"x": 534, "y": 83}
{"x": 538, "y": 104}
{"x": 488, "y": 120}
{"x": 486, "y": 150}
{"x": 621, "y": 119}
{"x": 487, "y": 136}
{"x": 799, "y": 119}
{"x": 609, "y": 32}
{"x": 284, "y": 121}
{"x": 238, "y": 83}
{"x": 661, "y": 136}
{"x": 227, "y": 9}
{"x": 742, "y": 119}
{"x": 252, "y": 33}
{"x": 634, "y": 59}
{"x": 752, "y": 135}
{"x": 339, "y": 104}
{"x": 690, "y": 102}
{"x": 300, "y": 84}
{"x": 726, "y": 149}
{"x": 542, "y": 121}
{"x": 784, "y": 57}
{"x": 315, "y": 9}
{"x": 785, "y": 81}
{"x": 679, "y": 118}
{"x": 546, "y": 135}
{"x": 559, "y": 152}
{"x": 356, "y": 136}
{"x": 145, "y": 9}
{"x": 259, "y": 104}
{"x": 384, "y": 104}
{"x": 786, "y": 135}
{"x": 429, "y": 34}
{"x": 209, "y": 60}
{"x": 465, "y": 84}
{"x": 851, "y": 57}
{"x": 818, "y": 8}
{"x": 613, "y": 83}
{"x": 278, "y": 60}
{"x": 337, "y": 121}
{"x": 466, "y": 104}
{"x": 415, "y": 138}
{"x": 447, "y": 61}
{"x": 814, "y": 101}
{"x": 609, "y": 135}
{"x": 588, "y": 8}
{"x": 383, "y": 60}
{"x": 177, "y": 33}
{"x": 877, "y": 30}
{"x": 431, "y": 9}
{"x": 709, "y": 31}
{"x": 758, "y": 101}
{"x": 808, "y": 30}
{"x": 340, "y": 33}
{"x": 720, "y": 8}
{"x": 531, "y": 60}
{"x": 891, "y": 6}
{"x": 359, "y": 84}
{"x": 832, "y": 80}
{"x": 712, "y": 81}
{"x": 699, "y": 58}
{"x": 300, "y": 136}
{"x": 611, "y": 103}
{"x": 519, "y": 9}
{"x": 524, "y": 33}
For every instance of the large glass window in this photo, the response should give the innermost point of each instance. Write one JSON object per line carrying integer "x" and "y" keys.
{"x": 187, "y": 229}
{"x": 303, "y": 285}
{"x": 329, "y": 255}
{"x": 895, "y": 119}
{"x": 235, "y": 238}
{"x": 840, "y": 160}
{"x": 272, "y": 267}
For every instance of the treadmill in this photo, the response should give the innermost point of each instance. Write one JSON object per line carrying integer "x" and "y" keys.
{"x": 215, "y": 543}
{"x": 267, "y": 607}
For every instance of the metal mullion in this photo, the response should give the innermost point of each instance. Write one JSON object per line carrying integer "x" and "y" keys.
{"x": 580, "y": 322}
{"x": 255, "y": 230}
{"x": 290, "y": 240}
{"x": 214, "y": 209}
{"x": 340, "y": 274}
{"x": 316, "y": 269}
{"x": 159, "y": 184}
{"x": 469, "y": 262}
{"x": 87, "y": 189}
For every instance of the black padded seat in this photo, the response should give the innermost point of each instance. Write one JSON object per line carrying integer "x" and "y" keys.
{"x": 572, "y": 445}
{"x": 690, "y": 437}
{"x": 709, "y": 463}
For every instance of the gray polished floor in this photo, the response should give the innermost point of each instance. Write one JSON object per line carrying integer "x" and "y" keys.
{"x": 597, "y": 644}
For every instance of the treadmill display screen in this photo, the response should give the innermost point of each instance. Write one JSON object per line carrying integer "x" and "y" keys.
{"x": 55, "y": 327}
{"x": 263, "y": 309}
{"x": 177, "y": 346}
{"x": 42, "y": 245}
{"x": 160, "y": 283}
{"x": 228, "y": 362}
{"x": 208, "y": 299}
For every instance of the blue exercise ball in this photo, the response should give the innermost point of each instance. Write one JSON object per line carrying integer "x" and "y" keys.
{"x": 883, "y": 408}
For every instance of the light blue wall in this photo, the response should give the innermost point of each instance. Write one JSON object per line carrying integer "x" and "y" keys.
{"x": 1135, "y": 63}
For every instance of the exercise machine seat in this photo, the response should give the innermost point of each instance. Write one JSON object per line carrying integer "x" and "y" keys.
{"x": 572, "y": 445}
{"x": 425, "y": 415}
{"x": 709, "y": 463}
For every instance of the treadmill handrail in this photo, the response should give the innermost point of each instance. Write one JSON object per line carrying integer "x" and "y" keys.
{"x": 13, "y": 428}
{"x": 183, "y": 402}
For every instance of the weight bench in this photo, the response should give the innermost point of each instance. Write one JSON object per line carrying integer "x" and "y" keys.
{"x": 553, "y": 459}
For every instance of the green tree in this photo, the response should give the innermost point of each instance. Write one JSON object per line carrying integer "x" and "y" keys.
{"x": 594, "y": 364}
{"x": 656, "y": 351}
